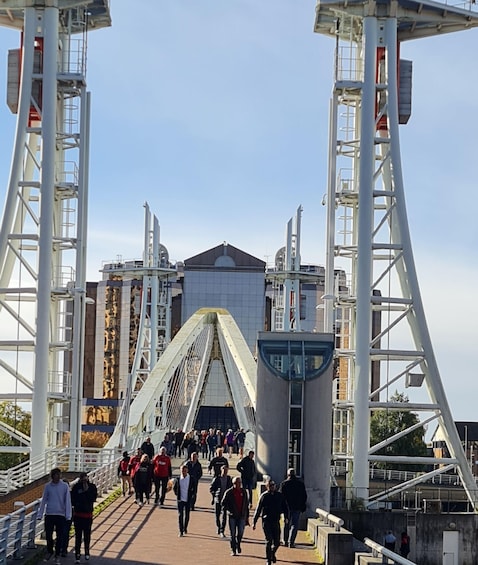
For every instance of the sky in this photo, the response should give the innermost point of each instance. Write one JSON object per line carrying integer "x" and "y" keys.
{"x": 215, "y": 112}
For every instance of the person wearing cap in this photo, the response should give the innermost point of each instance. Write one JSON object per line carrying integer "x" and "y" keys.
{"x": 83, "y": 497}
{"x": 295, "y": 495}
{"x": 270, "y": 507}
{"x": 247, "y": 468}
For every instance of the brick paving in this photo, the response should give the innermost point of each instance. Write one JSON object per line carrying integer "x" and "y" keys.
{"x": 130, "y": 534}
{"x": 133, "y": 535}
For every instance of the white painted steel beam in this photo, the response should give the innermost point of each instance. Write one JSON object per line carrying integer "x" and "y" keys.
{"x": 378, "y": 315}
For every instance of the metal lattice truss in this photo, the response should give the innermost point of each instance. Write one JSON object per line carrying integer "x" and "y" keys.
{"x": 171, "y": 395}
{"x": 372, "y": 297}
{"x": 43, "y": 229}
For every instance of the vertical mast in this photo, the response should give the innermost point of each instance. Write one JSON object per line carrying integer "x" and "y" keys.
{"x": 43, "y": 228}
{"x": 384, "y": 348}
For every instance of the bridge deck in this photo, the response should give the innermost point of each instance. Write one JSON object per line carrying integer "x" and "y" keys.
{"x": 149, "y": 534}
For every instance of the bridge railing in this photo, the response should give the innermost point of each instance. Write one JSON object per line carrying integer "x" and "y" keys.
{"x": 330, "y": 519}
{"x": 81, "y": 459}
{"x": 388, "y": 556}
{"x": 20, "y": 529}
{"x": 443, "y": 479}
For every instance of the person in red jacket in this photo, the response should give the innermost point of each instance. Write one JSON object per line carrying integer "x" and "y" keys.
{"x": 162, "y": 472}
{"x": 124, "y": 474}
{"x": 134, "y": 462}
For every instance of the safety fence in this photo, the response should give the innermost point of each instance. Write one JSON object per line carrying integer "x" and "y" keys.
{"x": 84, "y": 459}
{"x": 20, "y": 529}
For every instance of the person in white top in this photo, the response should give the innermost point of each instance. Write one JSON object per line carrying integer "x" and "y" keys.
{"x": 184, "y": 489}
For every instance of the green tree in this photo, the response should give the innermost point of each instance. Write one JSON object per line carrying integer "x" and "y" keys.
{"x": 13, "y": 418}
{"x": 386, "y": 423}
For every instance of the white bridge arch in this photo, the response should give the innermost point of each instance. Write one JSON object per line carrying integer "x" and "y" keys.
{"x": 171, "y": 395}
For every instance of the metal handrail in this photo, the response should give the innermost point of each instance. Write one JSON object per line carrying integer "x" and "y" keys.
{"x": 329, "y": 519}
{"x": 19, "y": 529}
{"x": 386, "y": 554}
{"x": 80, "y": 459}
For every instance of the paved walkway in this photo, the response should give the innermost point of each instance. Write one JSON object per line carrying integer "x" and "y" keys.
{"x": 130, "y": 534}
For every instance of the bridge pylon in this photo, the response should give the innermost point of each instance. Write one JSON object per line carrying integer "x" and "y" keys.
{"x": 372, "y": 297}
{"x": 44, "y": 224}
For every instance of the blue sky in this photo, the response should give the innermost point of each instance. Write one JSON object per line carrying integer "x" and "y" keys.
{"x": 216, "y": 113}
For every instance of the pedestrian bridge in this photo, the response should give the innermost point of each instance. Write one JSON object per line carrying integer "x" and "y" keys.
{"x": 126, "y": 532}
{"x": 171, "y": 395}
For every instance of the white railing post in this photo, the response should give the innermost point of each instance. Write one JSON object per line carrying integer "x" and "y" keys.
{"x": 4, "y": 530}
{"x": 17, "y": 536}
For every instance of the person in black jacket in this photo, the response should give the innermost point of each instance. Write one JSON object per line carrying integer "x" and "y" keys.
{"x": 143, "y": 480}
{"x": 217, "y": 462}
{"x": 184, "y": 489}
{"x": 295, "y": 495}
{"x": 247, "y": 468}
{"x": 148, "y": 448}
{"x": 83, "y": 497}
{"x": 218, "y": 487}
{"x": 271, "y": 505}
{"x": 195, "y": 470}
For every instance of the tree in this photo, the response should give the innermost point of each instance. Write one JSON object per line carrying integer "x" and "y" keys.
{"x": 386, "y": 423}
{"x": 12, "y": 417}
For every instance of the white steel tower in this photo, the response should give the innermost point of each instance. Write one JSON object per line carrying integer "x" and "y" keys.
{"x": 154, "y": 332}
{"x": 43, "y": 229}
{"x": 383, "y": 341}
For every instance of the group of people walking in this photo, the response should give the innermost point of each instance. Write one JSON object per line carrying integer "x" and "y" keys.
{"x": 390, "y": 542}
{"x": 60, "y": 506}
{"x": 231, "y": 497}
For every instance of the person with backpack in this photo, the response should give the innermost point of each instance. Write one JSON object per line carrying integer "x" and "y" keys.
{"x": 124, "y": 474}
{"x": 162, "y": 472}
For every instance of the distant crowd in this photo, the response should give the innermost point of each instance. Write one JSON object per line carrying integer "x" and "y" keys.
{"x": 203, "y": 442}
